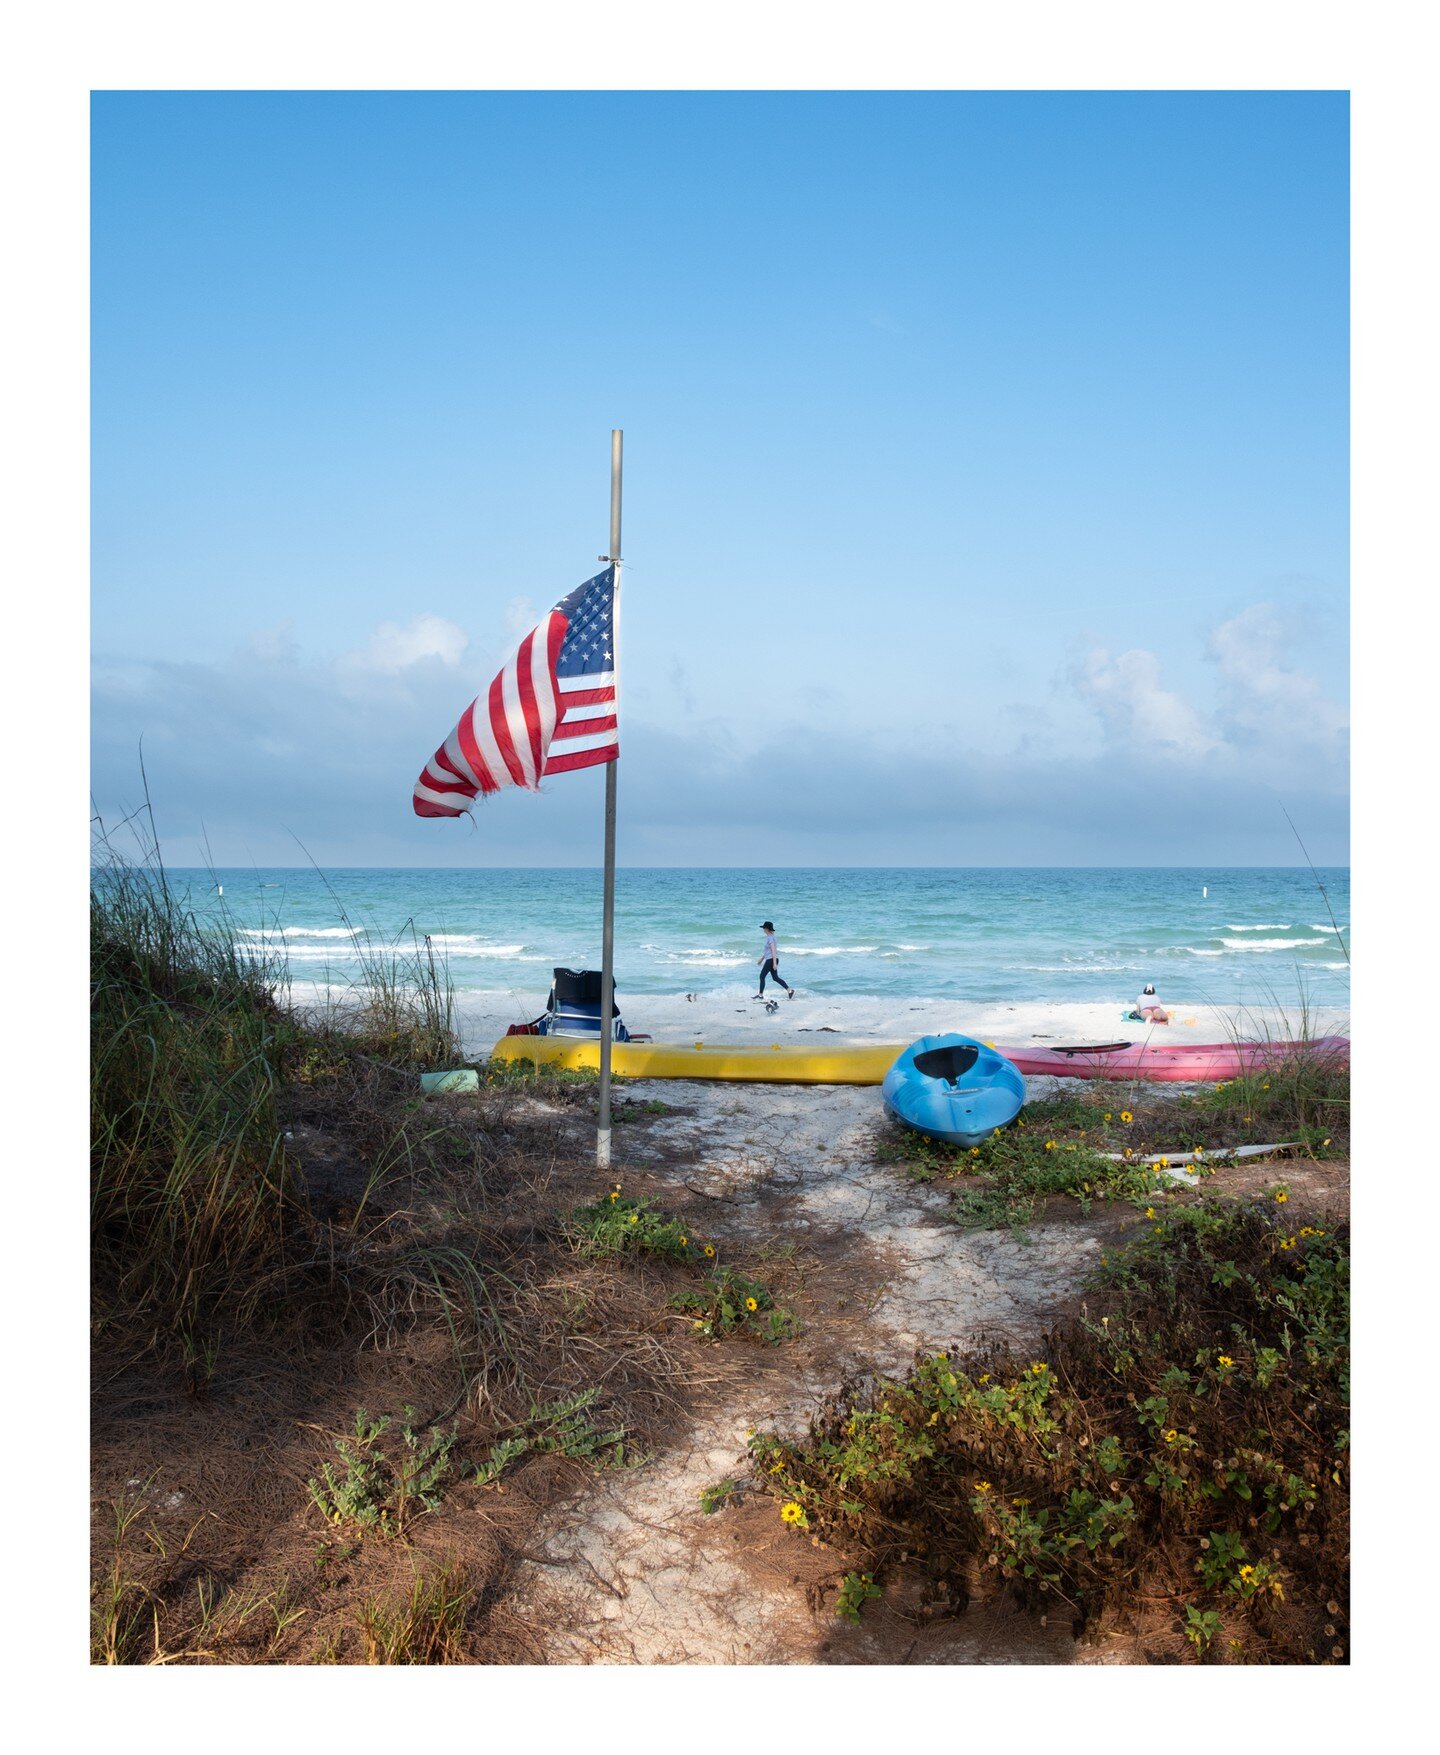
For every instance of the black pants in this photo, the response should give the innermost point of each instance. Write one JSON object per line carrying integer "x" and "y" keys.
{"x": 768, "y": 968}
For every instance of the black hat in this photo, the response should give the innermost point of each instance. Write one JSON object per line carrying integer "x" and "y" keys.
{"x": 767, "y": 926}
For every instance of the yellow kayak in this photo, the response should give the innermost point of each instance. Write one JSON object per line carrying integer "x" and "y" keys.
{"x": 773, "y": 1063}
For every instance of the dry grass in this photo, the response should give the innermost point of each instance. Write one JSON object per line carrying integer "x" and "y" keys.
{"x": 286, "y": 1232}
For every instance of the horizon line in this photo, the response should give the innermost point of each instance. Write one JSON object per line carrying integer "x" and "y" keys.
{"x": 1299, "y": 865}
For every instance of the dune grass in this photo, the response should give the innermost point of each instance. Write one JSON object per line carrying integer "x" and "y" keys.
{"x": 192, "y": 1200}
{"x": 285, "y": 1227}
{"x": 201, "y": 1224}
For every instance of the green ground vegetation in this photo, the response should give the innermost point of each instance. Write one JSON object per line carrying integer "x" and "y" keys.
{"x": 1088, "y": 1145}
{"x": 1186, "y": 1444}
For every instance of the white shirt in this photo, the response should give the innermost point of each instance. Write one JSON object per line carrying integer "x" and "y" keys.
{"x": 1147, "y": 999}
{"x": 772, "y": 950}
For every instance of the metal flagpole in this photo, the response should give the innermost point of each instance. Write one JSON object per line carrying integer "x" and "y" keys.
{"x": 607, "y": 964}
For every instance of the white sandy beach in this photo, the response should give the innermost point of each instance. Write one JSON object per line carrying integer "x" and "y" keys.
{"x": 729, "y": 1016}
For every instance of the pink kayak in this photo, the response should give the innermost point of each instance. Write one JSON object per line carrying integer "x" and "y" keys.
{"x": 1171, "y": 1062}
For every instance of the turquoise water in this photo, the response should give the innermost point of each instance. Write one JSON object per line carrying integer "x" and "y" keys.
{"x": 975, "y": 934}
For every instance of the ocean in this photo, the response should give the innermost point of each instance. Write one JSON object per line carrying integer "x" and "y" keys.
{"x": 1222, "y": 937}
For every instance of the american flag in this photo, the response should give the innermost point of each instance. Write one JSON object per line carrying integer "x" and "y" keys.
{"x": 551, "y": 709}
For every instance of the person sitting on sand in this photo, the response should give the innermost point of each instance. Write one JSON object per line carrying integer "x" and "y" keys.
{"x": 1149, "y": 1009}
{"x": 770, "y": 961}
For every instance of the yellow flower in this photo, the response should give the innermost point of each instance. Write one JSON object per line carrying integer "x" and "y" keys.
{"x": 1281, "y": 1196}
{"x": 792, "y": 1512}
{"x": 1171, "y": 1436}
{"x": 634, "y": 1218}
{"x": 1149, "y": 1212}
{"x": 750, "y": 1304}
{"x": 1126, "y": 1116}
{"x": 1049, "y": 1145}
{"x": 1164, "y": 1163}
{"x": 1226, "y": 1361}
{"x": 1037, "y": 1370}
{"x": 1247, "y": 1572}
{"x": 709, "y": 1249}
{"x": 684, "y": 1241}
{"x": 974, "y": 1151}
{"x": 1324, "y": 1142}
{"x": 982, "y": 1486}
{"x": 984, "y": 1377}
{"x": 1109, "y": 1115}
{"x": 615, "y": 1194}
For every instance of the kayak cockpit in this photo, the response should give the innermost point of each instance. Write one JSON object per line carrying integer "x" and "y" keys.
{"x": 950, "y": 1063}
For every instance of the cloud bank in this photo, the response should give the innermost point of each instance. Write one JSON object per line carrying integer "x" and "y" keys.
{"x": 270, "y": 758}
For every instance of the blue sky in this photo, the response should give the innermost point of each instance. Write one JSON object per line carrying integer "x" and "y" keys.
{"x": 986, "y": 487}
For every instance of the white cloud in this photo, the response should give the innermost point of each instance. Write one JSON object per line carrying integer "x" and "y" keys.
{"x": 394, "y": 648}
{"x": 1265, "y": 702}
{"x": 1133, "y": 707}
{"x": 263, "y": 742}
{"x": 1266, "y": 713}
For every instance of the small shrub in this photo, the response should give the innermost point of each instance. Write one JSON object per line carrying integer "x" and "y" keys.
{"x": 381, "y": 1488}
{"x": 712, "y": 1498}
{"x": 1025, "y": 1167}
{"x": 563, "y": 1427}
{"x": 617, "y": 1226}
{"x": 632, "y": 1108}
{"x": 1201, "y": 1627}
{"x": 727, "y": 1302}
{"x": 856, "y": 1589}
{"x": 1195, "y": 1435}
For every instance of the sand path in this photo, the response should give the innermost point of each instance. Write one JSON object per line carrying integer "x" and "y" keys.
{"x": 644, "y": 1575}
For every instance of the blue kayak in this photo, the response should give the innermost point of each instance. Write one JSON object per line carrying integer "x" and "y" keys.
{"x": 953, "y": 1088}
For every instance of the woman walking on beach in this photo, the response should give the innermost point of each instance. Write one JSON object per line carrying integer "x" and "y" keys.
{"x": 770, "y": 961}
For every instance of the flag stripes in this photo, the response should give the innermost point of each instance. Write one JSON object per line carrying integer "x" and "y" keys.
{"x": 551, "y": 709}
